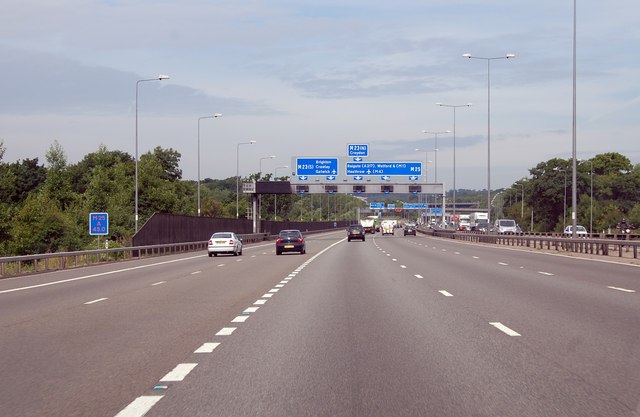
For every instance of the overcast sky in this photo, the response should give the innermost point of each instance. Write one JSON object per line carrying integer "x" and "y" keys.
{"x": 306, "y": 80}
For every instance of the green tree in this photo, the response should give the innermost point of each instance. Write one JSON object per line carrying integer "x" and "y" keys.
{"x": 57, "y": 186}
{"x": 39, "y": 230}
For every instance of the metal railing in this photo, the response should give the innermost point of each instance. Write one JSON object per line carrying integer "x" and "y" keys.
{"x": 29, "y": 264}
{"x": 617, "y": 244}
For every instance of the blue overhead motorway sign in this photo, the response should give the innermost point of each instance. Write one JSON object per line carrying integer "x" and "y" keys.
{"x": 358, "y": 149}
{"x": 376, "y": 206}
{"x": 384, "y": 168}
{"x": 316, "y": 166}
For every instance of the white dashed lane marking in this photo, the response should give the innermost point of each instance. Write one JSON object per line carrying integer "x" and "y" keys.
{"x": 207, "y": 348}
{"x": 504, "y": 328}
{"x": 418, "y": 276}
{"x": 158, "y": 283}
{"x": 445, "y": 293}
{"x": 226, "y": 331}
{"x": 179, "y": 373}
{"x": 140, "y": 406}
{"x": 503, "y": 264}
{"x": 549, "y": 274}
{"x": 260, "y": 302}
{"x": 95, "y": 301}
{"x": 621, "y": 289}
{"x": 195, "y": 272}
{"x": 240, "y": 319}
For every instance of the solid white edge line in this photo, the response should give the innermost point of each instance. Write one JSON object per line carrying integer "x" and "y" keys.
{"x": 140, "y": 406}
{"x": 207, "y": 347}
{"x": 621, "y": 289}
{"x": 179, "y": 373}
{"x": 504, "y": 328}
{"x": 95, "y": 301}
{"x": 95, "y": 275}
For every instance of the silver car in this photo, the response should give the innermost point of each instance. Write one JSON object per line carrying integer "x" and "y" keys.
{"x": 224, "y": 242}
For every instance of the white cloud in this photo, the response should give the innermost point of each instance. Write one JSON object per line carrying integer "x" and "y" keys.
{"x": 305, "y": 79}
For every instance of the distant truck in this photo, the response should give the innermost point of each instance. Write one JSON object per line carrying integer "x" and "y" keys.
{"x": 368, "y": 225}
{"x": 464, "y": 222}
{"x": 388, "y": 227}
{"x": 479, "y": 220}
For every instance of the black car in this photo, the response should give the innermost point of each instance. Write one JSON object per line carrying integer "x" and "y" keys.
{"x": 355, "y": 231}
{"x": 410, "y": 229}
{"x": 290, "y": 241}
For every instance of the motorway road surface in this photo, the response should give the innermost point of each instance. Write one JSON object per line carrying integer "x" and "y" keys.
{"x": 394, "y": 326}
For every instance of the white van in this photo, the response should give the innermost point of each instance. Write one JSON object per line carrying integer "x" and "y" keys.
{"x": 505, "y": 226}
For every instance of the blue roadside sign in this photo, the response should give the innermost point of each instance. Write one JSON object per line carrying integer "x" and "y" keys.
{"x": 99, "y": 224}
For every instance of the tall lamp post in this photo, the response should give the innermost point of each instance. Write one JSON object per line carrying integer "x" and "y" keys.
{"x": 521, "y": 200}
{"x": 454, "y": 107}
{"x": 426, "y": 171}
{"x": 435, "y": 149}
{"x": 259, "y": 175}
{"x": 275, "y": 196}
{"x": 158, "y": 78}
{"x": 251, "y": 142}
{"x": 564, "y": 204}
{"x": 213, "y": 116}
{"x": 507, "y": 56}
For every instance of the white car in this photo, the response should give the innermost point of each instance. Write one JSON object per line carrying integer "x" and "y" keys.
{"x": 224, "y": 242}
{"x": 581, "y": 231}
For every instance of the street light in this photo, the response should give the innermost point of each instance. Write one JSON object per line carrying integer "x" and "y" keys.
{"x": 564, "y": 205}
{"x": 275, "y": 196}
{"x": 426, "y": 167}
{"x": 261, "y": 159}
{"x": 435, "y": 149}
{"x": 251, "y": 142}
{"x": 260, "y": 195}
{"x": 454, "y": 107}
{"x": 507, "y": 56}
{"x": 521, "y": 201}
{"x": 158, "y": 78}
{"x": 213, "y": 116}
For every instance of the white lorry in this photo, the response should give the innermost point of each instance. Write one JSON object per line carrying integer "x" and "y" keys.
{"x": 368, "y": 225}
{"x": 464, "y": 222}
{"x": 479, "y": 221}
{"x": 388, "y": 227}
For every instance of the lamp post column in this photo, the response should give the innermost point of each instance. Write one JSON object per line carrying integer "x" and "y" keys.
{"x": 251, "y": 142}
{"x": 158, "y": 78}
{"x": 215, "y": 115}
{"x": 454, "y": 107}
{"x": 507, "y": 56}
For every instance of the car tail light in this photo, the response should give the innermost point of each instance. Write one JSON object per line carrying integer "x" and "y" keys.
{"x": 211, "y": 242}
{"x": 279, "y": 241}
{"x": 231, "y": 241}
{"x": 299, "y": 240}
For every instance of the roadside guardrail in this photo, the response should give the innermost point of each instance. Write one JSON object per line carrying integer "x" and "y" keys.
{"x": 588, "y": 245}
{"x": 28, "y": 264}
